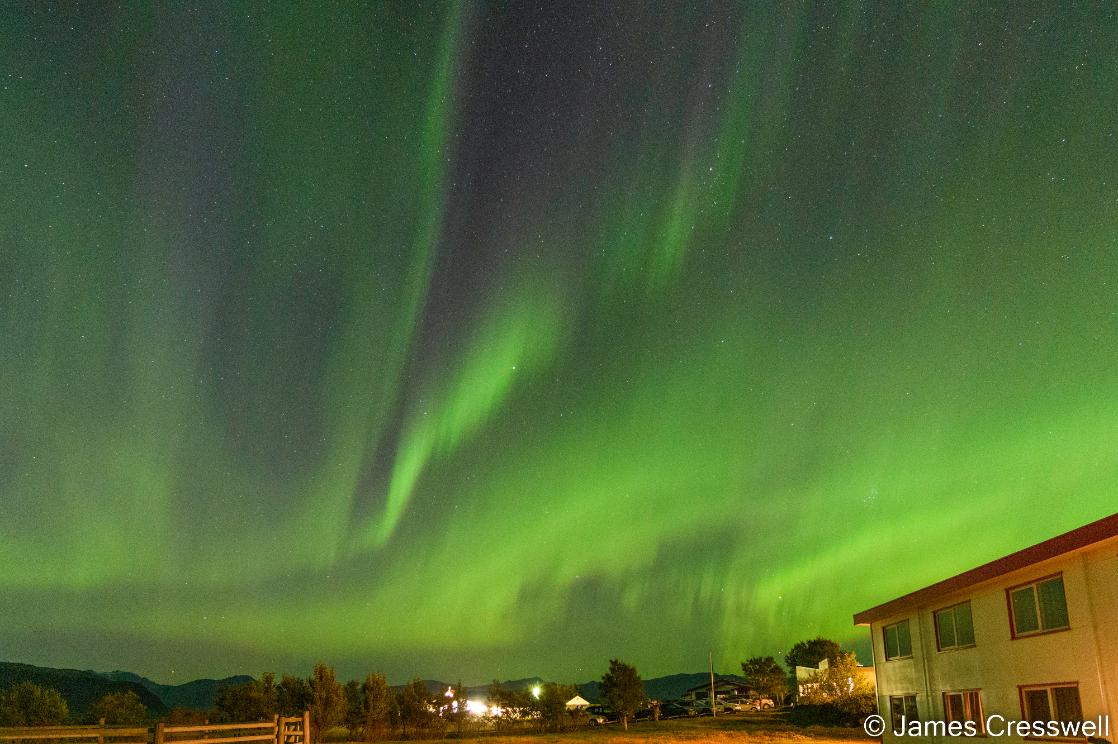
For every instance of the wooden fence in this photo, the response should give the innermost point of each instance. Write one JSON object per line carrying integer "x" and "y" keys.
{"x": 280, "y": 730}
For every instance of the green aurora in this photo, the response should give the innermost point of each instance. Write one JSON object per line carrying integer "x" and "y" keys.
{"x": 469, "y": 342}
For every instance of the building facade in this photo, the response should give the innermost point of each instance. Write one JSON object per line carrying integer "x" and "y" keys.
{"x": 1006, "y": 648}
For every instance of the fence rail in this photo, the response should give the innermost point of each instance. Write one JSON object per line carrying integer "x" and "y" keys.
{"x": 280, "y": 730}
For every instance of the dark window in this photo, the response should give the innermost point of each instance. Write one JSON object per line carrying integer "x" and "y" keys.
{"x": 1039, "y": 607}
{"x": 902, "y": 705}
{"x": 954, "y": 627}
{"x": 898, "y": 641}
{"x": 1051, "y": 703}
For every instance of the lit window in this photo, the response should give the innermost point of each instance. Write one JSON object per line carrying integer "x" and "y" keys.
{"x": 898, "y": 641}
{"x": 954, "y": 628}
{"x": 964, "y": 706}
{"x": 1039, "y": 607}
{"x": 902, "y": 705}
{"x": 1051, "y": 703}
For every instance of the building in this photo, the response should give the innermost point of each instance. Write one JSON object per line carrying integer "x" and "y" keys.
{"x": 723, "y": 688}
{"x": 805, "y": 676}
{"x": 1029, "y": 637}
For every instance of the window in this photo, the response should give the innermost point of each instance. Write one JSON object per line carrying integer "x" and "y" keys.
{"x": 964, "y": 706}
{"x": 898, "y": 642}
{"x": 954, "y": 628}
{"x": 902, "y": 705}
{"x": 1051, "y": 703}
{"x": 1038, "y": 607}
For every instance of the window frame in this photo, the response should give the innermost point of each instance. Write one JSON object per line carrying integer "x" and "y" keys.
{"x": 1033, "y": 584}
{"x": 885, "y": 640}
{"x": 903, "y": 697}
{"x": 979, "y": 716}
{"x": 935, "y": 627}
{"x": 1049, "y": 688}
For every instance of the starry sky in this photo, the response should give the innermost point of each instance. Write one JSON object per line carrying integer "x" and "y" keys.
{"x": 470, "y": 340}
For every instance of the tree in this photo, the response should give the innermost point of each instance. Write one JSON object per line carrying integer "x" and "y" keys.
{"x": 376, "y": 707}
{"x": 810, "y": 653}
{"x": 512, "y": 705}
{"x": 552, "y": 705}
{"x": 623, "y": 690}
{"x": 766, "y": 676}
{"x": 838, "y": 694}
{"x": 354, "y": 709}
{"x": 459, "y": 712}
{"x": 256, "y": 700}
{"x": 119, "y": 709}
{"x": 28, "y": 704}
{"x": 327, "y": 701}
{"x": 414, "y": 709}
{"x": 293, "y": 696}
{"x": 839, "y": 680}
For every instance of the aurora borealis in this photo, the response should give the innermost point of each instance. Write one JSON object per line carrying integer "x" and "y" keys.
{"x": 471, "y": 341}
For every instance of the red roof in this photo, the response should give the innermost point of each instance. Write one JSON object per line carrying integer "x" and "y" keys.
{"x": 1087, "y": 535}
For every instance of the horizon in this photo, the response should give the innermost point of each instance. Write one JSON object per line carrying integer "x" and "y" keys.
{"x": 437, "y": 337}
{"x": 392, "y": 683}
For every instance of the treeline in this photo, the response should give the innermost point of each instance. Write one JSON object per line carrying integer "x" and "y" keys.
{"x": 29, "y": 704}
{"x": 370, "y": 710}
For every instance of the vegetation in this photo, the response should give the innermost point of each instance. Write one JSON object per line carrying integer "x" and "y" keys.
{"x": 377, "y": 706}
{"x": 810, "y": 653}
{"x": 837, "y": 696}
{"x": 119, "y": 709}
{"x": 766, "y": 676}
{"x": 327, "y": 701}
{"x": 417, "y": 709}
{"x": 623, "y": 689}
{"x": 552, "y": 706}
{"x": 28, "y": 704}
{"x": 293, "y": 695}
{"x": 252, "y": 701}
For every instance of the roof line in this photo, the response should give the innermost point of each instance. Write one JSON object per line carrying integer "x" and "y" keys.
{"x": 1097, "y": 531}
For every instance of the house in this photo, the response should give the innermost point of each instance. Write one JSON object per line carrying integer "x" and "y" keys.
{"x": 805, "y": 676}
{"x": 1031, "y": 637}
{"x": 723, "y": 688}
{"x": 578, "y": 702}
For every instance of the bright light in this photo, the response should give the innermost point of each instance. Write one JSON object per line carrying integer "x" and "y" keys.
{"x": 478, "y": 708}
{"x": 536, "y": 692}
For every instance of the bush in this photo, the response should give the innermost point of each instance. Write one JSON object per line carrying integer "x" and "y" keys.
{"x": 28, "y": 704}
{"x": 849, "y": 710}
{"x": 119, "y": 709}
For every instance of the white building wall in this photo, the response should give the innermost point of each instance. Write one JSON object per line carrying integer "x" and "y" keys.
{"x": 1086, "y": 653}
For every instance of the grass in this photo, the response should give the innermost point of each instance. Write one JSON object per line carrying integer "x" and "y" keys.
{"x": 737, "y": 729}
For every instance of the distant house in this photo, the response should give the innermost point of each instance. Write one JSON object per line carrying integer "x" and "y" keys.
{"x": 804, "y": 676}
{"x": 1029, "y": 637}
{"x": 578, "y": 702}
{"x": 723, "y": 688}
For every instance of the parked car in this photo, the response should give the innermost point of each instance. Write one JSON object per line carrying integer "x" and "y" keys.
{"x": 675, "y": 710}
{"x": 704, "y": 708}
{"x": 600, "y": 714}
{"x": 737, "y": 703}
{"x": 741, "y": 703}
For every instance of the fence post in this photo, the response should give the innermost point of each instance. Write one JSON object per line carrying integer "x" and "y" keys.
{"x": 277, "y": 728}
{"x": 307, "y": 739}
{"x": 158, "y": 738}
{"x": 101, "y": 731}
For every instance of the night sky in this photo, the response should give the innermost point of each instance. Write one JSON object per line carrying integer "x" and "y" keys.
{"x": 473, "y": 341}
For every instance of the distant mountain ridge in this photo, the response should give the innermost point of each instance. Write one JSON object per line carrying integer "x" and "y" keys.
{"x": 197, "y": 694}
{"x": 80, "y": 688}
